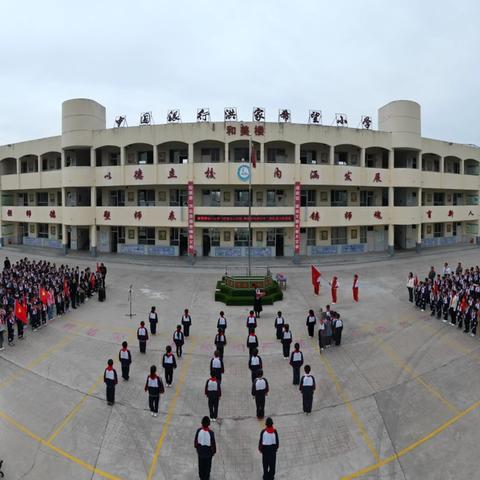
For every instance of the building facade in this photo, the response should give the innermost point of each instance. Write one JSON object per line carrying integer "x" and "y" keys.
{"x": 181, "y": 188}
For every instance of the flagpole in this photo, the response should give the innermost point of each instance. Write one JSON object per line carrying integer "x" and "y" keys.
{"x": 249, "y": 270}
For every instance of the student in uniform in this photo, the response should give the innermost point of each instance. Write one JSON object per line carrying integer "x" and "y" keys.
{"x": 252, "y": 341}
{"x": 186, "y": 322}
{"x": 222, "y": 321}
{"x": 110, "y": 378}
{"x": 307, "y": 387}
{"x": 355, "y": 288}
{"x": 321, "y": 334}
{"x": 334, "y": 287}
{"x": 279, "y": 324}
{"x": 169, "y": 364}
{"x": 311, "y": 321}
{"x": 287, "y": 338}
{"x": 216, "y": 367}
{"x": 257, "y": 300}
{"x": 153, "y": 319}
{"x": 268, "y": 446}
{"x": 338, "y": 323}
{"x": 154, "y": 387}
{"x": 260, "y": 391}
{"x": 220, "y": 342}
{"x": 251, "y": 321}
{"x": 213, "y": 392}
{"x": 142, "y": 335}
{"x": 179, "y": 340}
{"x": 125, "y": 359}
{"x": 296, "y": 361}
{"x": 206, "y": 448}
{"x": 254, "y": 363}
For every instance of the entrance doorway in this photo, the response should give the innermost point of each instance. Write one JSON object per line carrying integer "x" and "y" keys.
{"x": 206, "y": 244}
{"x": 183, "y": 244}
{"x": 113, "y": 239}
{"x": 279, "y": 242}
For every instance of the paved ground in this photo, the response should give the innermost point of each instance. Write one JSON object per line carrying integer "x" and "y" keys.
{"x": 398, "y": 400}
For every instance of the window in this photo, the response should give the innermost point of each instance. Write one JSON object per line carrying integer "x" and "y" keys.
{"x": 114, "y": 159}
{"x": 174, "y": 236}
{"x": 308, "y": 156}
{"x": 339, "y": 235}
{"x": 178, "y": 198}
{"x": 117, "y": 198}
{"x": 311, "y": 236}
{"x": 121, "y": 235}
{"x": 339, "y": 198}
{"x": 457, "y": 198}
{"x": 271, "y": 198}
{"x": 42, "y": 230}
{"x": 42, "y": 199}
{"x": 438, "y": 229}
{"x": 146, "y": 198}
{"x": 367, "y": 198}
{"x": 241, "y": 198}
{"x": 211, "y": 198}
{"x": 276, "y": 155}
{"x": 215, "y": 237}
{"x": 241, "y": 237}
{"x": 308, "y": 198}
{"x": 363, "y": 234}
{"x": 178, "y": 156}
{"x": 241, "y": 155}
{"x": 210, "y": 155}
{"x": 271, "y": 237}
{"x": 146, "y": 236}
{"x": 438, "y": 198}
{"x": 145, "y": 158}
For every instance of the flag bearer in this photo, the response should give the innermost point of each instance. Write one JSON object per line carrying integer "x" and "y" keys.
{"x": 125, "y": 359}
{"x": 268, "y": 446}
{"x": 307, "y": 387}
{"x": 213, "y": 391}
{"x": 110, "y": 378}
{"x": 206, "y": 448}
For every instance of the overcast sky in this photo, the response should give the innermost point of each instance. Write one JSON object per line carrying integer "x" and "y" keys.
{"x": 132, "y": 56}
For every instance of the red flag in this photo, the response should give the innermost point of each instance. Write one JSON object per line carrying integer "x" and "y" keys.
{"x": 253, "y": 157}
{"x": 20, "y": 312}
{"x": 43, "y": 296}
{"x": 66, "y": 290}
{"x": 315, "y": 277}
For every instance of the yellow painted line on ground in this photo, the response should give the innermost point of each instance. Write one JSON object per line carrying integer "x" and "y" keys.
{"x": 413, "y": 445}
{"x": 170, "y": 412}
{"x": 344, "y": 397}
{"x": 74, "y": 411}
{"x": 61, "y": 452}
{"x": 24, "y": 370}
{"x": 400, "y": 363}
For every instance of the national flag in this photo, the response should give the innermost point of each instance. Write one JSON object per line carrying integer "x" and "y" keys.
{"x": 66, "y": 290}
{"x": 43, "y": 295}
{"x": 315, "y": 275}
{"x": 253, "y": 157}
{"x": 20, "y": 312}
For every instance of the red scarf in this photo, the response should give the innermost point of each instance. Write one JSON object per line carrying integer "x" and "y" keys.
{"x": 109, "y": 368}
{"x": 205, "y": 429}
{"x": 270, "y": 429}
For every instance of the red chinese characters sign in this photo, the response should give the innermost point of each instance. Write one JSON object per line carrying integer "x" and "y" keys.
{"x": 191, "y": 220}
{"x": 244, "y": 218}
{"x": 297, "y": 218}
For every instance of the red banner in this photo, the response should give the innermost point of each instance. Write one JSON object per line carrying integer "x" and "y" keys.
{"x": 243, "y": 218}
{"x": 191, "y": 224}
{"x": 297, "y": 218}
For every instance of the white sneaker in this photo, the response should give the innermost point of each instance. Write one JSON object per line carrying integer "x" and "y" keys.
{"x": 155, "y": 414}
{"x": 2, "y": 348}
{"x": 214, "y": 419}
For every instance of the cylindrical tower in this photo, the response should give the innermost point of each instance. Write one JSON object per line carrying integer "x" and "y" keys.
{"x": 403, "y": 119}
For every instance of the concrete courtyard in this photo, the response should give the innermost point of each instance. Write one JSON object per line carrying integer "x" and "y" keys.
{"x": 398, "y": 400}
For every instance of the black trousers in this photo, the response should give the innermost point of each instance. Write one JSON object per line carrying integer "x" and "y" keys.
{"x": 269, "y": 460}
{"x": 143, "y": 345}
{"x": 338, "y": 336}
{"x": 168, "y": 375}
{"x": 178, "y": 346}
{"x": 10, "y": 334}
{"x": 153, "y": 403}
{"x": 410, "y": 294}
{"x": 453, "y": 316}
{"x": 217, "y": 373}
{"x": 153, "y": 328}
{"x": 20, "y": 328}
{"x": 321, "y": 342}
{"x": 204, "y": 467}
{"x": 254, "y": 372}
{"x": 126, "y": 371}
{"x": 286, "y": 348}
{"x": 186, "y": 329}
{"x": 213, "y": 405}
{"x": 260, "y": 404}
{"x": 311, "y": 329}
{"x": 307, "y": 400}
{"x": 296, "y": 375}
{"x": 220, "y": 349}
{"x": 279, "y": 332}
{"x": 111, "y": 394}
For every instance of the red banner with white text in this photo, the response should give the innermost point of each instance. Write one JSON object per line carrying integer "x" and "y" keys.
{"x": 297, "y": 218}
{"x": 191, "y": 224}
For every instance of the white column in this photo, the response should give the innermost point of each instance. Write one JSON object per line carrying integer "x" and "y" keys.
{"x": 261, "y": 157}
{"x": 190, "y": 152}
{"x": 64, "y": 238}
{"x": 93, "y": 161}
{"x": 39, "y": 161}
{"x": 227, "y": 153}
{"x": 93, "y": 240}
{"x": 155, "y": 154}
{"x": 332, "y": 155}
{"x": 419, "y": 161}
{"x": 93, "y": 196}
{"x": 297, "y": 153}
{"x": 391, "y": 197}
{"x": 462, "y": 167}
{"x": 391, "y": 230}
{"x": 362, "y": 157}
{"x": 442, "y": 164}
{"x": 123, "y": 153}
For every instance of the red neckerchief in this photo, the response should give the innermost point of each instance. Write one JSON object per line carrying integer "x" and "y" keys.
{"x": 124, "y": 349}
{"x": 153, "y": 376}
{"x": 169, "y": 354}
{"x": 213, "y": 379}
{"x": 205, "y": 429}
{"x": 109, "y": 368}
{"x": 270, "y": 429}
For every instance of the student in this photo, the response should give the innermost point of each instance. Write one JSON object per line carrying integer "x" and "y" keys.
{"x": 206, "y": 448}
{"x": 222, "y": 321}
{"x": 220, "y": 342}
{"x": 307, "y": 387}
{"x": 321, "y": 334}
{"x": 2, "y": 329}
{"x": 179, "y": 340}
{"x": 296, "y": 361}
{"x": 252, "y": 341}
{"x": 142, "y": 335}
{"x": 311, "y": 321}
{"x": 153, "y": 319}
{"x": 169, "y": 364}
{"x": 110, "y": 378}
{"x": 328, "y": 331}
{"x": 254, "y": 363}
{"x": 338, "y": 323}
{"x": 257, "y": 300}
{"x": 279, "y": 324}
{"x": 268, "y": 446}
{"x": 334, "y": 287}
{"x": 410, "y": 286}
{"x": 286, "y": 341}
{"x": 11, "y": 329}
{"x": 216, "y": 367}
{"x": 260, "y": 391}
{"x": 355, "y": 288}
{"x": 125, "y": 359}
{"x": 251, "y": 321}
{"x": 213, "y": 392}
{"x": 154, "y": 387}
{"x": 186, "y": 322}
